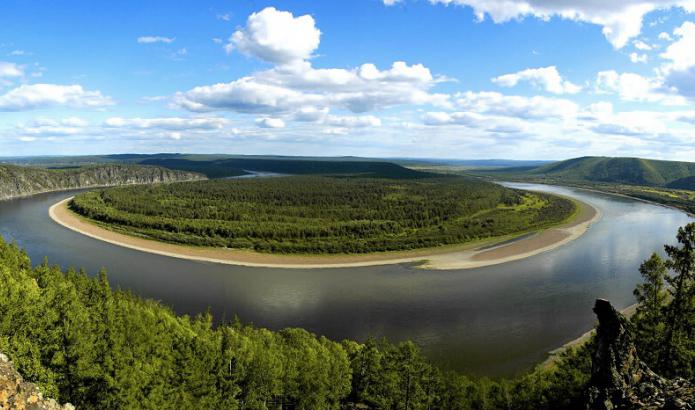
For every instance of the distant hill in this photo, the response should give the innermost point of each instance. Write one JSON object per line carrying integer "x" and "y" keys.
{"x": 219, "y": 168}
{"x": 631, "y": 171}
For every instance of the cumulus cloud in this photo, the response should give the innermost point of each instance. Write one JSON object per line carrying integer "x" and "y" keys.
{"x": 536, "y": 107}
{"x": 635, "y": 88}
{"x": 277, "y": 37}
{"x": 269, "y": 122}
{"x": 638, "y": 58}
{"x": 641, "y": 45}
{"x": 546, "y": 78}
{"x": 34, "y": 96}
{"x": 296, "y": 87}
{"x": 665, "y": 36}
{"x": 620, "y": 20}
{"x": 10, "y": 70}
{"x": 155, "y": 39}
{"x": 679, "y": 68}
{"x": 681, "y": 53}
{"x": 53, "y": 127}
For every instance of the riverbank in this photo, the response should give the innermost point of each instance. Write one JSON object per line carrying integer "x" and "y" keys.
{"x": 465, "y": 256}
{"x": 556, "y": 354}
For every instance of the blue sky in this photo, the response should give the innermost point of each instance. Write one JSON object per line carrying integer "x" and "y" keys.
{"x": 526, "y": 79}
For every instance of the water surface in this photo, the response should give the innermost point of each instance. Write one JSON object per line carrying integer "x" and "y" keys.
{"x": 497, "y": 320}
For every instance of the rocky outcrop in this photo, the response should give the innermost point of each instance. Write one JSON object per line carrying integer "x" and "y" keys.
{"x": 16, "y": 394}
{"x": 620, "y": 380}
{"x": 17, "y": 181}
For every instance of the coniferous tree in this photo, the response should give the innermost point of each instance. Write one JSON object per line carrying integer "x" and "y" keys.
{"x": 651, "y": 297}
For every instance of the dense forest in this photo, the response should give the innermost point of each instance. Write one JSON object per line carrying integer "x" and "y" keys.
{"x": 87, "y": 344}
{"x": 21, "y": 180}
{"x": 321, "y": 214}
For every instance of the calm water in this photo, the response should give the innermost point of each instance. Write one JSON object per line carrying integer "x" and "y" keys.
{"x": 497, "y": 320}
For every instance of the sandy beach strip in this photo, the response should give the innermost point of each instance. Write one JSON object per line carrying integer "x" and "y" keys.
{"x": 465, "y": 256}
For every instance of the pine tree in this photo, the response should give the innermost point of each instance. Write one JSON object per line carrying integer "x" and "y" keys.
{"x": 676, "y": 357}
{"x": 651, "y": 297}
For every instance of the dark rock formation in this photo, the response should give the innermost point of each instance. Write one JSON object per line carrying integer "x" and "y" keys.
{"x": 16, "y": 394}
{"x": 620, "y": 380}
{"x": 18, "y": 181}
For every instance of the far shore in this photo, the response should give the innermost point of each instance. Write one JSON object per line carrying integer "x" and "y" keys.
{"x": 464, "y": 256}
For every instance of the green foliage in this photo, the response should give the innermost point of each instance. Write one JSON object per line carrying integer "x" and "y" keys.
{"x": 84, "y": 343}
{"x": 665, "y": 318}
{"x": 651, "y": 296}
{"x": 322, "y": 215}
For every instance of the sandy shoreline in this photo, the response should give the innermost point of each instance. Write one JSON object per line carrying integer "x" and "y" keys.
{"x": 464, "y": 256}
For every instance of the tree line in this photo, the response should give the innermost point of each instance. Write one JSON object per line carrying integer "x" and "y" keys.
{"x": 321, "y": 214}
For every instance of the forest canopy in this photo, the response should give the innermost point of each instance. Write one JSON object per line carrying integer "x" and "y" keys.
{"x": 311, "y": 214}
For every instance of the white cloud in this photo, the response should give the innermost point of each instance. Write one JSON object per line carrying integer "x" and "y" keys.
{"x": 665, "y": 36}
{"x": 681, "y": 53}
{"x": 155, "y": 39}
{"x": 277, "y": 37}
{"x": 636, "y": 88}
{"x": 34, "y": 96}
{"x": 268, "y": 122}
{"x": 490, "y": 124}
{"x": 8, "y": 70}
{"x": 352, "y": 121}
{"x": 391, "y": 2}
{"x": 536, "y": 107}
{"x": 641, "y": 45}
{"x": 620, "y": 20}
{"x": 547, "y": 78}
{"x": 638, "y": 58}
{"x": 292, "y": 88}
{"x": 169, "y": 123}
{"x": 47, "y": 127}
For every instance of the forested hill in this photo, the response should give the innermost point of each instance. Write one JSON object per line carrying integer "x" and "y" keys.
{"x": 632, "y": 171}
{"x": 224, "y": 166}
{"x": 17, "y": 181}
{"x": 217, "y": 168}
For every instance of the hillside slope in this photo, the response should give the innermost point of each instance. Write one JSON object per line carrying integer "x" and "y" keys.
{"x": 17, "y": 181}
{"x": 632, "y": 171}
{"x": 217, "y": 168}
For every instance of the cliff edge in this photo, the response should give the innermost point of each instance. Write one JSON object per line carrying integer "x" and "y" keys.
{"x": 620, "y": 380}
{"x": 16, "y": 394}
{"x": 19, "y": 181}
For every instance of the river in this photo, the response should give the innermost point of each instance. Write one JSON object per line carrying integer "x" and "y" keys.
{"x": 498, "y": 320}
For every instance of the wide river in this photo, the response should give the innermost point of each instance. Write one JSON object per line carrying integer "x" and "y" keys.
{"x": 497, "y": 320}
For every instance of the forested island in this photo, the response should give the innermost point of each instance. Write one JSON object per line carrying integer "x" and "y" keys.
{"x": 323, "y": 215}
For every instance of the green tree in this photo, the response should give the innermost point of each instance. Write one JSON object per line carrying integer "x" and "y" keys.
{"x": 676, "y": 357}
{"x": 651, "y": 297}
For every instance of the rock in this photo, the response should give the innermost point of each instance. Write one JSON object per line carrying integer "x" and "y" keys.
{"x": 620, "y": 380}
{"x": 16, "y": 394}
{"x": 18, "y": 181}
